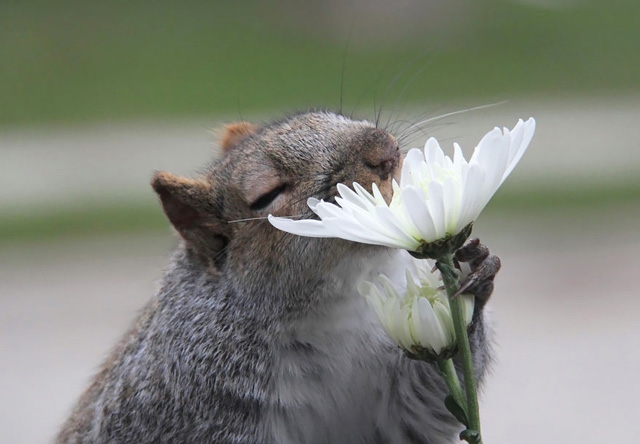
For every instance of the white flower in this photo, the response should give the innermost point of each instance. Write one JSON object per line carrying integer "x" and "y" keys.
{"x": 417, "y": 317}
{"x": 438, "y": 197}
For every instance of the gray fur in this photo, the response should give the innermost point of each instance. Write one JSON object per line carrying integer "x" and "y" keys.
{"x": 260, "y": 336}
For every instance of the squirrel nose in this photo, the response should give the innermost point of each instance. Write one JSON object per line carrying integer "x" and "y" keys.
{"x": 383, "y": 154}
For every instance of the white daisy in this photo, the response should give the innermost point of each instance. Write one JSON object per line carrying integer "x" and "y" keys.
{"x": 416, "y": 316}
{"x": 437, "y": 198}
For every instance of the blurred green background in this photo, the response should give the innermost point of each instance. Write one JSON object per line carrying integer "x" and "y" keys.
{"x": 96, "y": 95}
{"x": 70, "y": 61}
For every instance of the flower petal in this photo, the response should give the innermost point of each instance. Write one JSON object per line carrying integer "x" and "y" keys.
{"x": 436, "y": 207}
{"x": 443, "y": 313}
{"x": 451, "y": 201}
{"x": 363, "y": 201}
{"x": 389, "y": 224}
{"x": 415, "y": 203}
{"x": 492, "y": 154}
{"x": 469, "y": 302}
{"x": 355, "y": 231}
{"x": 433, "y": 154}
{"x": 434, "y": 335}
{"x": 519, "y": 143}
{"x": 307, "y": 227}
{"x": 360, "y": 191}
{"x": 471, "y": 204}
{"x": 411, "y": 165}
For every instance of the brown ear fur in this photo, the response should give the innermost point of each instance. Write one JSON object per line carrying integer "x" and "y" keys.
{"x": 186, "y": 202}
{"x": 234, "y": 133}
{"x": 180, "y": 198}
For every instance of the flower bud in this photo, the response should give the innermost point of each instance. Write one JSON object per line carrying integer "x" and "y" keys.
{"x": 416, "y": 314}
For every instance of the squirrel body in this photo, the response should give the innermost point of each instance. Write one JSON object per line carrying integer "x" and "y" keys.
{"x": 258, "y": 336}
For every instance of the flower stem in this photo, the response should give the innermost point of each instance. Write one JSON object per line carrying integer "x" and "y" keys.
{"x": 453, "y": 383}
{"x": 450, "y": 279}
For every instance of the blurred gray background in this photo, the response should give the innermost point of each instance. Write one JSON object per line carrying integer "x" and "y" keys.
{"x": 95, "y": 96}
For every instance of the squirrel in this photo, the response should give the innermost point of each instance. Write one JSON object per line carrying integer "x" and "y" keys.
{"x": 259, "y": 336}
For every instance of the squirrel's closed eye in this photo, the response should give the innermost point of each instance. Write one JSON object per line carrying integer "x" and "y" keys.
{"x": 267, "y": 198}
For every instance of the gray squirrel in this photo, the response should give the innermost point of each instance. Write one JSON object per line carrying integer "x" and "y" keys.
{"x": 259, "y": 336}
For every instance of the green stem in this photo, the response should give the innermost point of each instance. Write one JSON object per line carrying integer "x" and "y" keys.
{"x": 453, "y": 383}
{"x": 450, "y": 279}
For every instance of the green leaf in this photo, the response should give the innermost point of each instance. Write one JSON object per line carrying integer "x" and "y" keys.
{"x": 471, "y": 436}
{"x": 456, "y": 410}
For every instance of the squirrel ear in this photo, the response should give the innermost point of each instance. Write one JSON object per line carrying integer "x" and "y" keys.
{"x": 181, "y": 199}
{"x": 187, "y": 204}
{"x": 234, "y": 133}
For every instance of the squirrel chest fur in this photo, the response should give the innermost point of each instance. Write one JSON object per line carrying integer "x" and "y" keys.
{"x": 259, "y": 336}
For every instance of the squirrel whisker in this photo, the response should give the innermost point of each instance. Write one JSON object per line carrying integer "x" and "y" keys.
{"x": 248, "y": 219}
{"x": 453, "y": 113}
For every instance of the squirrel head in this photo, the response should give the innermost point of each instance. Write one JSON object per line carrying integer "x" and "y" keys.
{"x": 274, "y": 169}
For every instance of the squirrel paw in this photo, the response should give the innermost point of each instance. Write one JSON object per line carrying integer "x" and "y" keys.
{"x": 484, "y": 267}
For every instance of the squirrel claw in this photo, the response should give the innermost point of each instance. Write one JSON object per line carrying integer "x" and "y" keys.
{"x": 484, "y": 267}
{"x": 472, "y": 252}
